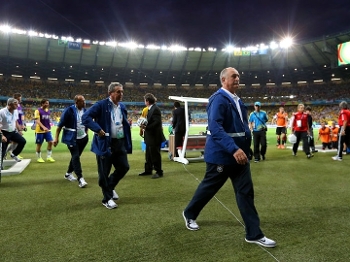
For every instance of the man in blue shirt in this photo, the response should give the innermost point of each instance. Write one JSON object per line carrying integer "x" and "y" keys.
{"x": 227, "y": 156}
{"x": 257, "y": 124}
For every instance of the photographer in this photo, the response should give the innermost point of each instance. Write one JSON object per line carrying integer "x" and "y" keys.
{"x": 257, "y": 124}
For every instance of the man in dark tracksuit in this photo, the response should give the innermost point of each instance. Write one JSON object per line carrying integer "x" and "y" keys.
{"x": 108, "y": 119}
{"x": 226, "y": 156}
{"x": 75, "y": 136}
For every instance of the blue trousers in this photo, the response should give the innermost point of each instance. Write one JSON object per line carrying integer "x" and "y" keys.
{"x": 240, "y": 176}
{"x": 76, "y": 151}
{"x": 118, "y": 158}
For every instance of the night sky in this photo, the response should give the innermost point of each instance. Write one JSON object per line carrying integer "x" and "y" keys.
{"x": 191, "y": 23}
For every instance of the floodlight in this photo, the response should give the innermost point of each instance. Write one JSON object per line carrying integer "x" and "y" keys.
{"x": 18, "y": 31}
{"x": 130, "y": 45}
{"x": 286, "y": 42}
{"x": 112, "y": 43}
{"x": 32, "y": 33}
{"x": 153, "y": 47}
{"x": 273, "y": 45}
{"x": 5, "y": 28}
{"x": 229, "y": 49}
{"x": 177, "y": 48}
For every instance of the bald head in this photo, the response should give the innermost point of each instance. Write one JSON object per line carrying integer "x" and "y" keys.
{"x": 79, "y": 101}
{"x": 229, "y": 78}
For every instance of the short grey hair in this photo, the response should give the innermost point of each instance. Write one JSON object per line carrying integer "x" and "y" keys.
{"x": 112, "y": 86}
{"x": 343, "y": 105}
{"x": 11, "y": 101}
{"x": 223, "y": 74}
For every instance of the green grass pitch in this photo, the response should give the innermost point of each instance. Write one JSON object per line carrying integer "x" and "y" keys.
{"x": 303, "y": 205}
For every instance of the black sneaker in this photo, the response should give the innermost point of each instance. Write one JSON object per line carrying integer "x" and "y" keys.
{"x": 256, "y": 160}
{"x": 263, "y": 157}
{"x": 190, "y": 223}
{"x": 309, "y": 156}
{"x": 314, "y": 151}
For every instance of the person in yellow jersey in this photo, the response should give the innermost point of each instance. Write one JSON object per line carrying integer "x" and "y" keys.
{"x": 143, "y": 116}
{"x": 43, "y": 131}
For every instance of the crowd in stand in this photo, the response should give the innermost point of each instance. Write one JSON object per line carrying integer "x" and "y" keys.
{"x": 271, "y": 97}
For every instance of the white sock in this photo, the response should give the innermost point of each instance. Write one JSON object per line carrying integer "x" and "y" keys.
{"x": 38, "y": 154}
{"x": 49, "y": 153}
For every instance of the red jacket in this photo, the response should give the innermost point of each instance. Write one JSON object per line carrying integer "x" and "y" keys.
{"x": 344, "y": 116}
{"x": 300, "y": 122}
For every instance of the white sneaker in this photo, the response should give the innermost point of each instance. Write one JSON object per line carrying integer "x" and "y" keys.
{"x": 115, "y": 195}
{"x": 82, "y": 182}
{"x": 265, "y": 242}
{"x": 337, "y": 158}
{"x": 16, "y": 158}
{"x": 110, "y": 204}
{"x": 70, "y": 177}
{"x": 190, "y": 223}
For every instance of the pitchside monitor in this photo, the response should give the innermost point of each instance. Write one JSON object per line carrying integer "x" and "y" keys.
{"x": 344, "y": 54}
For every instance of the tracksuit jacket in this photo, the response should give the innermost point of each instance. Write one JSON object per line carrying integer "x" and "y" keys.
{"x": 98, "y": 117}
{"x": 68, "y": 122}
{"x": 227, "y": 133}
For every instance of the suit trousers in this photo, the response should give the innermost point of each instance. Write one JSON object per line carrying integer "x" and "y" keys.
{"x": 179, "y": 137}
{"x": 153, "y": 159}
{"x": 76, "y": 151}
{"x": 240, "y": 176}
{"x": 117, "y": 158}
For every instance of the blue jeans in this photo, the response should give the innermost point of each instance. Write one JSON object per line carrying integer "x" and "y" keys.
{"x": 215, "y": 177}
{"x": 118, "y": 158}
{"x": 76, "y": 151}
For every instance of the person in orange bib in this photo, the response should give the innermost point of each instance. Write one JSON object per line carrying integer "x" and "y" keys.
{"x": 324, "y": 134}
{"x": 334, "y": 135}
{"x": 281, "y": 120}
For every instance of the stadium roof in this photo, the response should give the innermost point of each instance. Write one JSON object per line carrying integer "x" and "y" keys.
{"x": 49, "y": 58}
